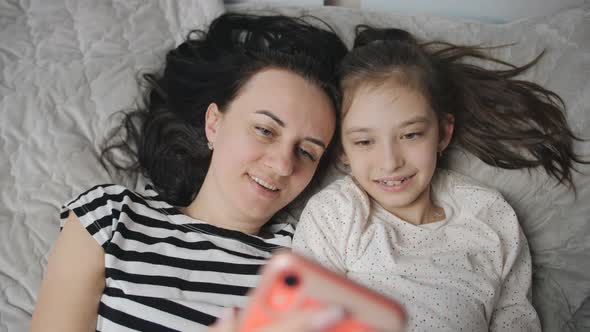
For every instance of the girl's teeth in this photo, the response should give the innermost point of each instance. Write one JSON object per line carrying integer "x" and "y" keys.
{"x": 264, "y": 184}
{"x": 393, "y": 183}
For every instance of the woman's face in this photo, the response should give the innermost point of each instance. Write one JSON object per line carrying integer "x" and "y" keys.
{"x": 268, "y": 143}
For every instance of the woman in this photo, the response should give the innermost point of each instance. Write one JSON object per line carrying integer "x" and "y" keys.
{"x": 234, "y": 129}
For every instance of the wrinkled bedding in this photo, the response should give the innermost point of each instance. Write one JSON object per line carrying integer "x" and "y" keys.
{"x": 66, "y": 66}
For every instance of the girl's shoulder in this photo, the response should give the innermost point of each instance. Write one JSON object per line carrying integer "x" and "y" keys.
{"x": 457, "y": 184}
{"x": 341, "y": 198}
{"x": 344, "y": 189}
{"x": 465, "y": 191}
{"x": 475, "y": 199}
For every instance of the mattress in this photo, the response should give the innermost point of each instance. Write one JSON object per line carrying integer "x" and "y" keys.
{"x": 67, "y": 66}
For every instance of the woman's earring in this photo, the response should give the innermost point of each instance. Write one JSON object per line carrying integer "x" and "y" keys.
{"x": 210, "y": 146}
{"x": 440, "y": 154}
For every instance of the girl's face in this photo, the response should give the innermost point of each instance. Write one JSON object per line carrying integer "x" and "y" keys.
{"x": 391, "y": 139}
{"x": 267, "y": 144}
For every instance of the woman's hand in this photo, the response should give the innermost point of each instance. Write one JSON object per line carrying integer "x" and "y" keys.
{"x": 297, "y": 321}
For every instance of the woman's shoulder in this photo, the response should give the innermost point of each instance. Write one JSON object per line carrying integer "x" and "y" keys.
{"x": 104, "y": 188}
{"x": 108, "y": 193}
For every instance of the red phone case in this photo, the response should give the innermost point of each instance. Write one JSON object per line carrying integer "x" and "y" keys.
{"x": 291, "y": 282}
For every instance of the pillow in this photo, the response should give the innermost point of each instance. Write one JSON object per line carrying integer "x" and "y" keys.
{"x": 492, "y": 11}
{"x": 555, "y": 220}
{"x": 65, "y": 67}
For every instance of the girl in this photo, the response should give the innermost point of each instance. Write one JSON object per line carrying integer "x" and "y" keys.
{"x": 226, "y": 141}
{"x": 449, "y": 249}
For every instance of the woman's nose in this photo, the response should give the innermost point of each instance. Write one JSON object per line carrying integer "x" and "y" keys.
{"x": 281, "y": 161}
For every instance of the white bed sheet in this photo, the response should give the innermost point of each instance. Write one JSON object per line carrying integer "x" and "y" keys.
{"x": 65, "y": 66}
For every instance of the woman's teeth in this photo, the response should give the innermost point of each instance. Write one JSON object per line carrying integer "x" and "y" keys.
{"x": 264, "y": 184}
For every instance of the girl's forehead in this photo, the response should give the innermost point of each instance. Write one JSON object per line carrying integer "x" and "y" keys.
{"x": 383, "y": 87}
{"x": 387, "y": 111}
{"x": 387, "y": 101}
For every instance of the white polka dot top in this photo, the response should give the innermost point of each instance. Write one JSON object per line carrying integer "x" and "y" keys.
{"x": 468, "y": 272}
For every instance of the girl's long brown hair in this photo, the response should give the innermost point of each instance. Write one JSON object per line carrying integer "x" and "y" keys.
{"x": 505, "y": 122}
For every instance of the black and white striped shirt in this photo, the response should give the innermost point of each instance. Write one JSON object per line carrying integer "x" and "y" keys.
{"x": 164, "y": 270}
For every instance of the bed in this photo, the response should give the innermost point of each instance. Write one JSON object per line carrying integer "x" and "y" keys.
{"x": 66, "y": 66}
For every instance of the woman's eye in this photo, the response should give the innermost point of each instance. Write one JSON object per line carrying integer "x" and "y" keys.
{"x": 306, "y": 154}
{"x": 264, "y": 132}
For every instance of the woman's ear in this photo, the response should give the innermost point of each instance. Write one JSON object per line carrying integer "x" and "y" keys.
{"x": 447, "y": 126}
{"x": 212, "y": 120}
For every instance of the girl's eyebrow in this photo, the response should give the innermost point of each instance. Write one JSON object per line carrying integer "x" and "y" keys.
{"x": 282, "y": 124}
{"x": 356, "y": 130}
{"x": 414, "y": 120}
{"x": 409, "y": 122}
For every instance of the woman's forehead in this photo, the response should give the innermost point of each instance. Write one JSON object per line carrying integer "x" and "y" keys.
{"x": 289, "y": 98}
{"x": 282, "y": 89}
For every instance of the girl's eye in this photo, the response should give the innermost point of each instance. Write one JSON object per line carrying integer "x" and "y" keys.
{"x": 306, "y": 154}
{"x": 264, "y": 132}
{"x": 363, "y": 142}
{"x": 411, "y": 136}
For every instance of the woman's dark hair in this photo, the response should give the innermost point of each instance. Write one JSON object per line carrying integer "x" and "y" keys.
{"x": 166, "y": 137}
{"x": 505, "y": 122}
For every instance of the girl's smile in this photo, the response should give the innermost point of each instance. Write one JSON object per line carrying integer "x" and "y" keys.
{"x": 390, "y": 139}
{"x": 395, "y": 184}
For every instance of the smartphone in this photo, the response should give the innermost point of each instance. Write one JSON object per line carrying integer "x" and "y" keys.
{"x": 289, "y": 282}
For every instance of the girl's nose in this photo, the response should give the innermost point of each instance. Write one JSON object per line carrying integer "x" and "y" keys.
{"x": 392, "y": 157}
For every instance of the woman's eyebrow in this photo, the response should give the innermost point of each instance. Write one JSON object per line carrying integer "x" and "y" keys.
{"x": 315, "y": 141}
{"x": 282, "y": 124}
{"x": 272, "y": 116}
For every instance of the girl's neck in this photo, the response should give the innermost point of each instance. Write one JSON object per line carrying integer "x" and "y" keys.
{"x": 419, "y": 212}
